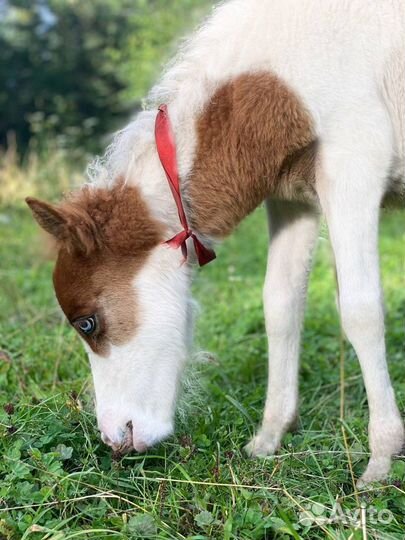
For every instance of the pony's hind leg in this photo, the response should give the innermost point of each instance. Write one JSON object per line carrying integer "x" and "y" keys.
{"x": 351, "y": 179}
{"x": 293, "y": 233}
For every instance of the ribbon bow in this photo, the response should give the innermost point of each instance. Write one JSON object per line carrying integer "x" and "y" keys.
{"x": 167, "y": 154}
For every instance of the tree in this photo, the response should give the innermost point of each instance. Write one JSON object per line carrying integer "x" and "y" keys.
{"x": 72, "y": 69}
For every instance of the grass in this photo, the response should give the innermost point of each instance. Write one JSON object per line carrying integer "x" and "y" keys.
{"x": 58, "y": 481}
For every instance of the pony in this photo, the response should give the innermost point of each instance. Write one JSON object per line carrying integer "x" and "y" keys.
{"x": 299, "y": 104}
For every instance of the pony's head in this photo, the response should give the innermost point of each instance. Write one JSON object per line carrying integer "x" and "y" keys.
{"x": 127, "y": 296}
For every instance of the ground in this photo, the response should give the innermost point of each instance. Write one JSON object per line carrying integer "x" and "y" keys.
{"x": 58, "y": 481}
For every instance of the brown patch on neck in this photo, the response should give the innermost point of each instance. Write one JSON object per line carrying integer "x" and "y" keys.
{"x": 94, "y": 271}
{"x": 255, "y": 140}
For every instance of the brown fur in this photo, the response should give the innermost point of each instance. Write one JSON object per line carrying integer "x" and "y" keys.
{"x": 255, "y": 140}
{"x": 104, "y": 237}
{"x": 296, "y": 181}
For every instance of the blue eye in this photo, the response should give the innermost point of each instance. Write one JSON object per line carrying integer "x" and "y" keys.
{"x": 86, "y": 326}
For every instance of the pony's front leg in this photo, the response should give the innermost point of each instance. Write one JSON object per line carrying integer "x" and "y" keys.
{"x": 351, "y": 184}
{"x": 293, "y": 233}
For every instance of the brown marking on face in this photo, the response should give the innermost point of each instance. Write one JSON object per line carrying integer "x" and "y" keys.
{"x": 255, "y": 140}
{"x": 104, "y": 237}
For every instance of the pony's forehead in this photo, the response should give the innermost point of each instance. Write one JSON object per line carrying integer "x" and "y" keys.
{"x": 122, "y": 220}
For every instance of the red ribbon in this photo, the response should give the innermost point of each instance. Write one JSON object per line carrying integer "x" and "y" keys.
{"x": 167, "y": 153}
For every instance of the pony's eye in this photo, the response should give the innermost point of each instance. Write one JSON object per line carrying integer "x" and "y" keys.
{"x": 87, "y": 325}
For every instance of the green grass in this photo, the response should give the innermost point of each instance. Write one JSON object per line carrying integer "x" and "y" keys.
{"x": 58, "y": 481}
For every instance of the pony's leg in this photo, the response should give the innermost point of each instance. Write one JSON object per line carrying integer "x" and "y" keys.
{"x": 293, "y": 233}
{"x": 351, "y": 180}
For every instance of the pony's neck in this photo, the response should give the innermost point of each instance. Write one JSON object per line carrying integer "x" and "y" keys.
{"x": 253, "y": 139}
{"x": 233, "y": 132}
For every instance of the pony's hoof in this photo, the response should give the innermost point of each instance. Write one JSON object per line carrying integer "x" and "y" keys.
{"x": 377, "y": 471}
{"x": 261, "y": 446}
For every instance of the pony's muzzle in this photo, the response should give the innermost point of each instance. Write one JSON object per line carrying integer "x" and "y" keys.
{"x": 139, "y": 434}
{"x": 125, "y": 441}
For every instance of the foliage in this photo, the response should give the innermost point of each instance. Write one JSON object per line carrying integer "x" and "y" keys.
{"x": 73, "y": 70}
{"x": 58, "y": 481}
{"x": 43, "y": 174}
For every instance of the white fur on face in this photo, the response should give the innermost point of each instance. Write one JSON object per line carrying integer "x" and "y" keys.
{"x": 137, "y": 382}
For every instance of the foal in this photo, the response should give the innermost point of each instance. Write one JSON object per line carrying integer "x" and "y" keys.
{"x": 297, "y": 103}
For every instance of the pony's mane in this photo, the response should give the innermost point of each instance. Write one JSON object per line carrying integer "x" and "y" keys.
{"x": 127, "y": 147}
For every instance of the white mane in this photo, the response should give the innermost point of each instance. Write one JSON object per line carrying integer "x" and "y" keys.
{"x": 127, "y": 147}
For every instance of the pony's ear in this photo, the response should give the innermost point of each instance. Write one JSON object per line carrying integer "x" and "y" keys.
{"x": 49, "y": 217}
{"x": 69, "y": 223}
